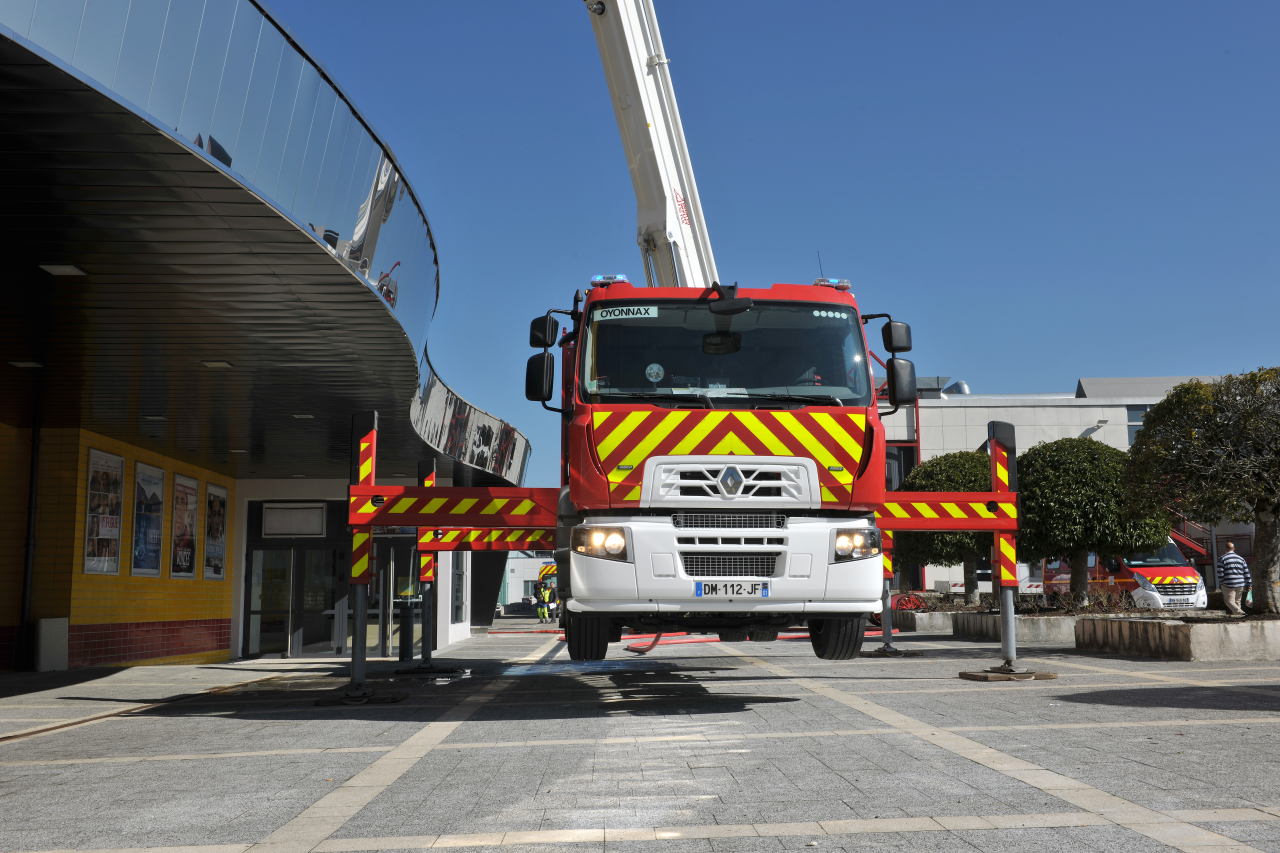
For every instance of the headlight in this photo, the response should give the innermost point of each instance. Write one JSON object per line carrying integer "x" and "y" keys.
{"x": 1143, "y": 582}
{"x": 857, "y": 543}
{"x": 1200, "y": 585}
{"x": 607, "y": 543}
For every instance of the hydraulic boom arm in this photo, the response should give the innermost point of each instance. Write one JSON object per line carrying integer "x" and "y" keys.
{"x": 671, "y": 230}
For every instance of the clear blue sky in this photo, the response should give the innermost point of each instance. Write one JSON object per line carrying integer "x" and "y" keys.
{"x": 1043, "y": 190}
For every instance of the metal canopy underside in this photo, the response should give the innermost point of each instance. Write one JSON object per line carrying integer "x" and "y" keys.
{"x": 183, "y": 265}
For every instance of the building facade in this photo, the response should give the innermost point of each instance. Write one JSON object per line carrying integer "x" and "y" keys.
{"x": 221, "y": 263}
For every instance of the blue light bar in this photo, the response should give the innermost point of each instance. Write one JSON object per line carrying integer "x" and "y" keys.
{"x": 837, "y": 283}
{"x": 606, "y": 280}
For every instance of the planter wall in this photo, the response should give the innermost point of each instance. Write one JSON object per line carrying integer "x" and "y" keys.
{"x": 1171, "y": 640}
{"x": 1028, "y": 629}
{"x": 917, "y": 620}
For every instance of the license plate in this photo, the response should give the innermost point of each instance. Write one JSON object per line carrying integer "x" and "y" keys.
{"x": 731, "y": 589}
{"x": 1179, "y": 601}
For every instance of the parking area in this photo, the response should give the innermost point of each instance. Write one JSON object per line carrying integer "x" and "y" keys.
{"x": 697, "y": 746}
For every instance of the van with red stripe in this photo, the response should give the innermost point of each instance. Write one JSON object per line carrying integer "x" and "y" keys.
{"x": 722, "y": 460}
{"x": 1157, "y": 580}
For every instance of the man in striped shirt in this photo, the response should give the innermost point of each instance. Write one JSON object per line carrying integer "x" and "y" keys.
{"x": 1233, "y": 577}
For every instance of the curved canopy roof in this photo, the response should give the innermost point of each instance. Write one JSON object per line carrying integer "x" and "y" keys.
{"x": 217, "y": 258}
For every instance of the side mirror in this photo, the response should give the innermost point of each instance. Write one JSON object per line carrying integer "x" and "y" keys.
{"x": 542, "y": 333}
{"x": 897, "y": 337}
{"x": 902, "y": 381}
{"x": 540, "y": 377}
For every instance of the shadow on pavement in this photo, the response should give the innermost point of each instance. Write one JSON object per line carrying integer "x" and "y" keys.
{"x": 23, "y": 683}
{"x": 1178, "y": 696}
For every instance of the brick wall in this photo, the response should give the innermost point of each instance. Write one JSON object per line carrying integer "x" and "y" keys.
{"x": 118, "y": 642}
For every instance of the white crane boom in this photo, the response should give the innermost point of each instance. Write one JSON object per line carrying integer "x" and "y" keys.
{"x": 671, "y": 230}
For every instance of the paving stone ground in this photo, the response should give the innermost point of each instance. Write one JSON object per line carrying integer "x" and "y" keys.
{"x": 694, "y": 747}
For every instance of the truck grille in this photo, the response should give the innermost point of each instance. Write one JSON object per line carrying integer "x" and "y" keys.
{"x": 730, "y": 565}
{"x": 1176, "y": 588}
{"x": 729, "y": 521}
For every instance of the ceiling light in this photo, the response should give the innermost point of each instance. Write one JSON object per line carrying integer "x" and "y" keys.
{"x": 154, "y": 418}
{"x": 299, "y": 476}
{"x": 62, "y": 269}
{"x": 304, "y": 417}
{"x": 399, "y": 475}
{"x": 26, "y": 364}
{"x": 239, "y": 451}
{"x": 222, "y": 364}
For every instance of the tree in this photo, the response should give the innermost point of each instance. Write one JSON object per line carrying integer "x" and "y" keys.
{"x": 966, "y": 471}
{"x": 1071, "y": 497}
{"x": 1212, "y": 453}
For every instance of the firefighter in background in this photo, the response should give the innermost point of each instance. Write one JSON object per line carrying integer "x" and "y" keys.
{"x": 544, "y": 602}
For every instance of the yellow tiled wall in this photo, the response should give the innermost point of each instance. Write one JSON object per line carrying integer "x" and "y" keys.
{"x": 98, "y": 599}
{"x": 61, "y": 587}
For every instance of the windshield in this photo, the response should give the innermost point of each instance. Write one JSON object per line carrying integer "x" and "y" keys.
{"x": 675, "y": 347}
{"x": 1169, "y": 555}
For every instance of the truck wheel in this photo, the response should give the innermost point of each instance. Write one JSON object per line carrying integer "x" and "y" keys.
{"x": 762, "y": 635}
{"x": 837, "y": 639}
{"x": 733, "y": 635}
{"x": 587, "y": 636}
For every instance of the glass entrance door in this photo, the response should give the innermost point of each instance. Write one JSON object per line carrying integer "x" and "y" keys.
{"x": 268, "y": 582}
{"x": 314, "y": 621}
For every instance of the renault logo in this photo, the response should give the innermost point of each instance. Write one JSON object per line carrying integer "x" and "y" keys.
{"x": 731, "y": 481}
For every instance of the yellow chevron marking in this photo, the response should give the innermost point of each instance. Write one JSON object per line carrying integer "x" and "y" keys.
{"x": 981, "y": 510}
{"x": 536, "y": 535}
{"x": 601, "y": 417}
{"x": 925, "y": 510}
{"x": 364, "y": 445}
{"x": 365, "y": 468}
{"x": 403, "y": 504}
{"x": 827, "y": 497}
{"x": 860, "y": 421}
{"x": 514, "y": 535}
{"x": 642, "y": 450}
{"x": 493, "y": 536}
{"x": 360, "y": 566}
{"x": 1008, "y": 550}
{"x": 731, "y": 445}
{"x": 450, "y": 535}
{"x": 495, "y": 505}
{"x": 472, "y": 535}
{"x": 1010, "y": 510}
{"x": 954, "y": 511}
{"x": 837, "y": 432}
{"x": 435, "y": 504}
{"x": 613, "y": 486}
{"x": 763, "y": 434}
{"x": 357, "y": 539}
{"x": 523, "y": 507}
{"x": 1007, "y": 575}
{"x": 698, "y": 433}
{"x": 633, "y": 495}
{"x": 897, "y": 510}
{"x": 820, "y": 453}
{"x": 887, "y": 559}
{"x": 1003, "y": 473}
{"x": 464, "y": 505}
{"x": 620, "y": 432}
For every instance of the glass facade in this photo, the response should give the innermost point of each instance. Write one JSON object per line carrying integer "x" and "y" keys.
{"x": 221, "y": 75}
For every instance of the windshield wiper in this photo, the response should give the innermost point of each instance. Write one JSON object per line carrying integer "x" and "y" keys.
{"x": 651, "y": 395}
{"x": 799, "y": 398}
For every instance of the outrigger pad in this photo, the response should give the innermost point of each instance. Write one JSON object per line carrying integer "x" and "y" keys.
{"x": 895, "y": 653}
{"x": 1008, "y": 676}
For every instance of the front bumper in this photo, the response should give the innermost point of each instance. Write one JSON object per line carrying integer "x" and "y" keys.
{"x": 658, "y": 578}
{"x": 1156, "y": 601}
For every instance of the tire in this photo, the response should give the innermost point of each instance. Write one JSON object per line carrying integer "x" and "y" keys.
{"x": 615, "y": 633}
{"x": 762, "y": 635}
{"x": 837, "y": 639}
{"x": 587, "y": 636}
{"x": 733, "y": 635}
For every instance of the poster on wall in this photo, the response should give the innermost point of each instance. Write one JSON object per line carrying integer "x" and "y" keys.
{"x": 186, "y": 500}
{"x": 215, "y": 533}
{"x": 103, "y": 513}
{"x": 148, "y": 526}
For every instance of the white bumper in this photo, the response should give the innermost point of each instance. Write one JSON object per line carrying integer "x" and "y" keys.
{"x": 1156, "y": 601}
{"x": 662, "y": 576}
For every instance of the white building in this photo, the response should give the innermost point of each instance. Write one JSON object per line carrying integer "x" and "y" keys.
{"x": 949, "y": 419}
